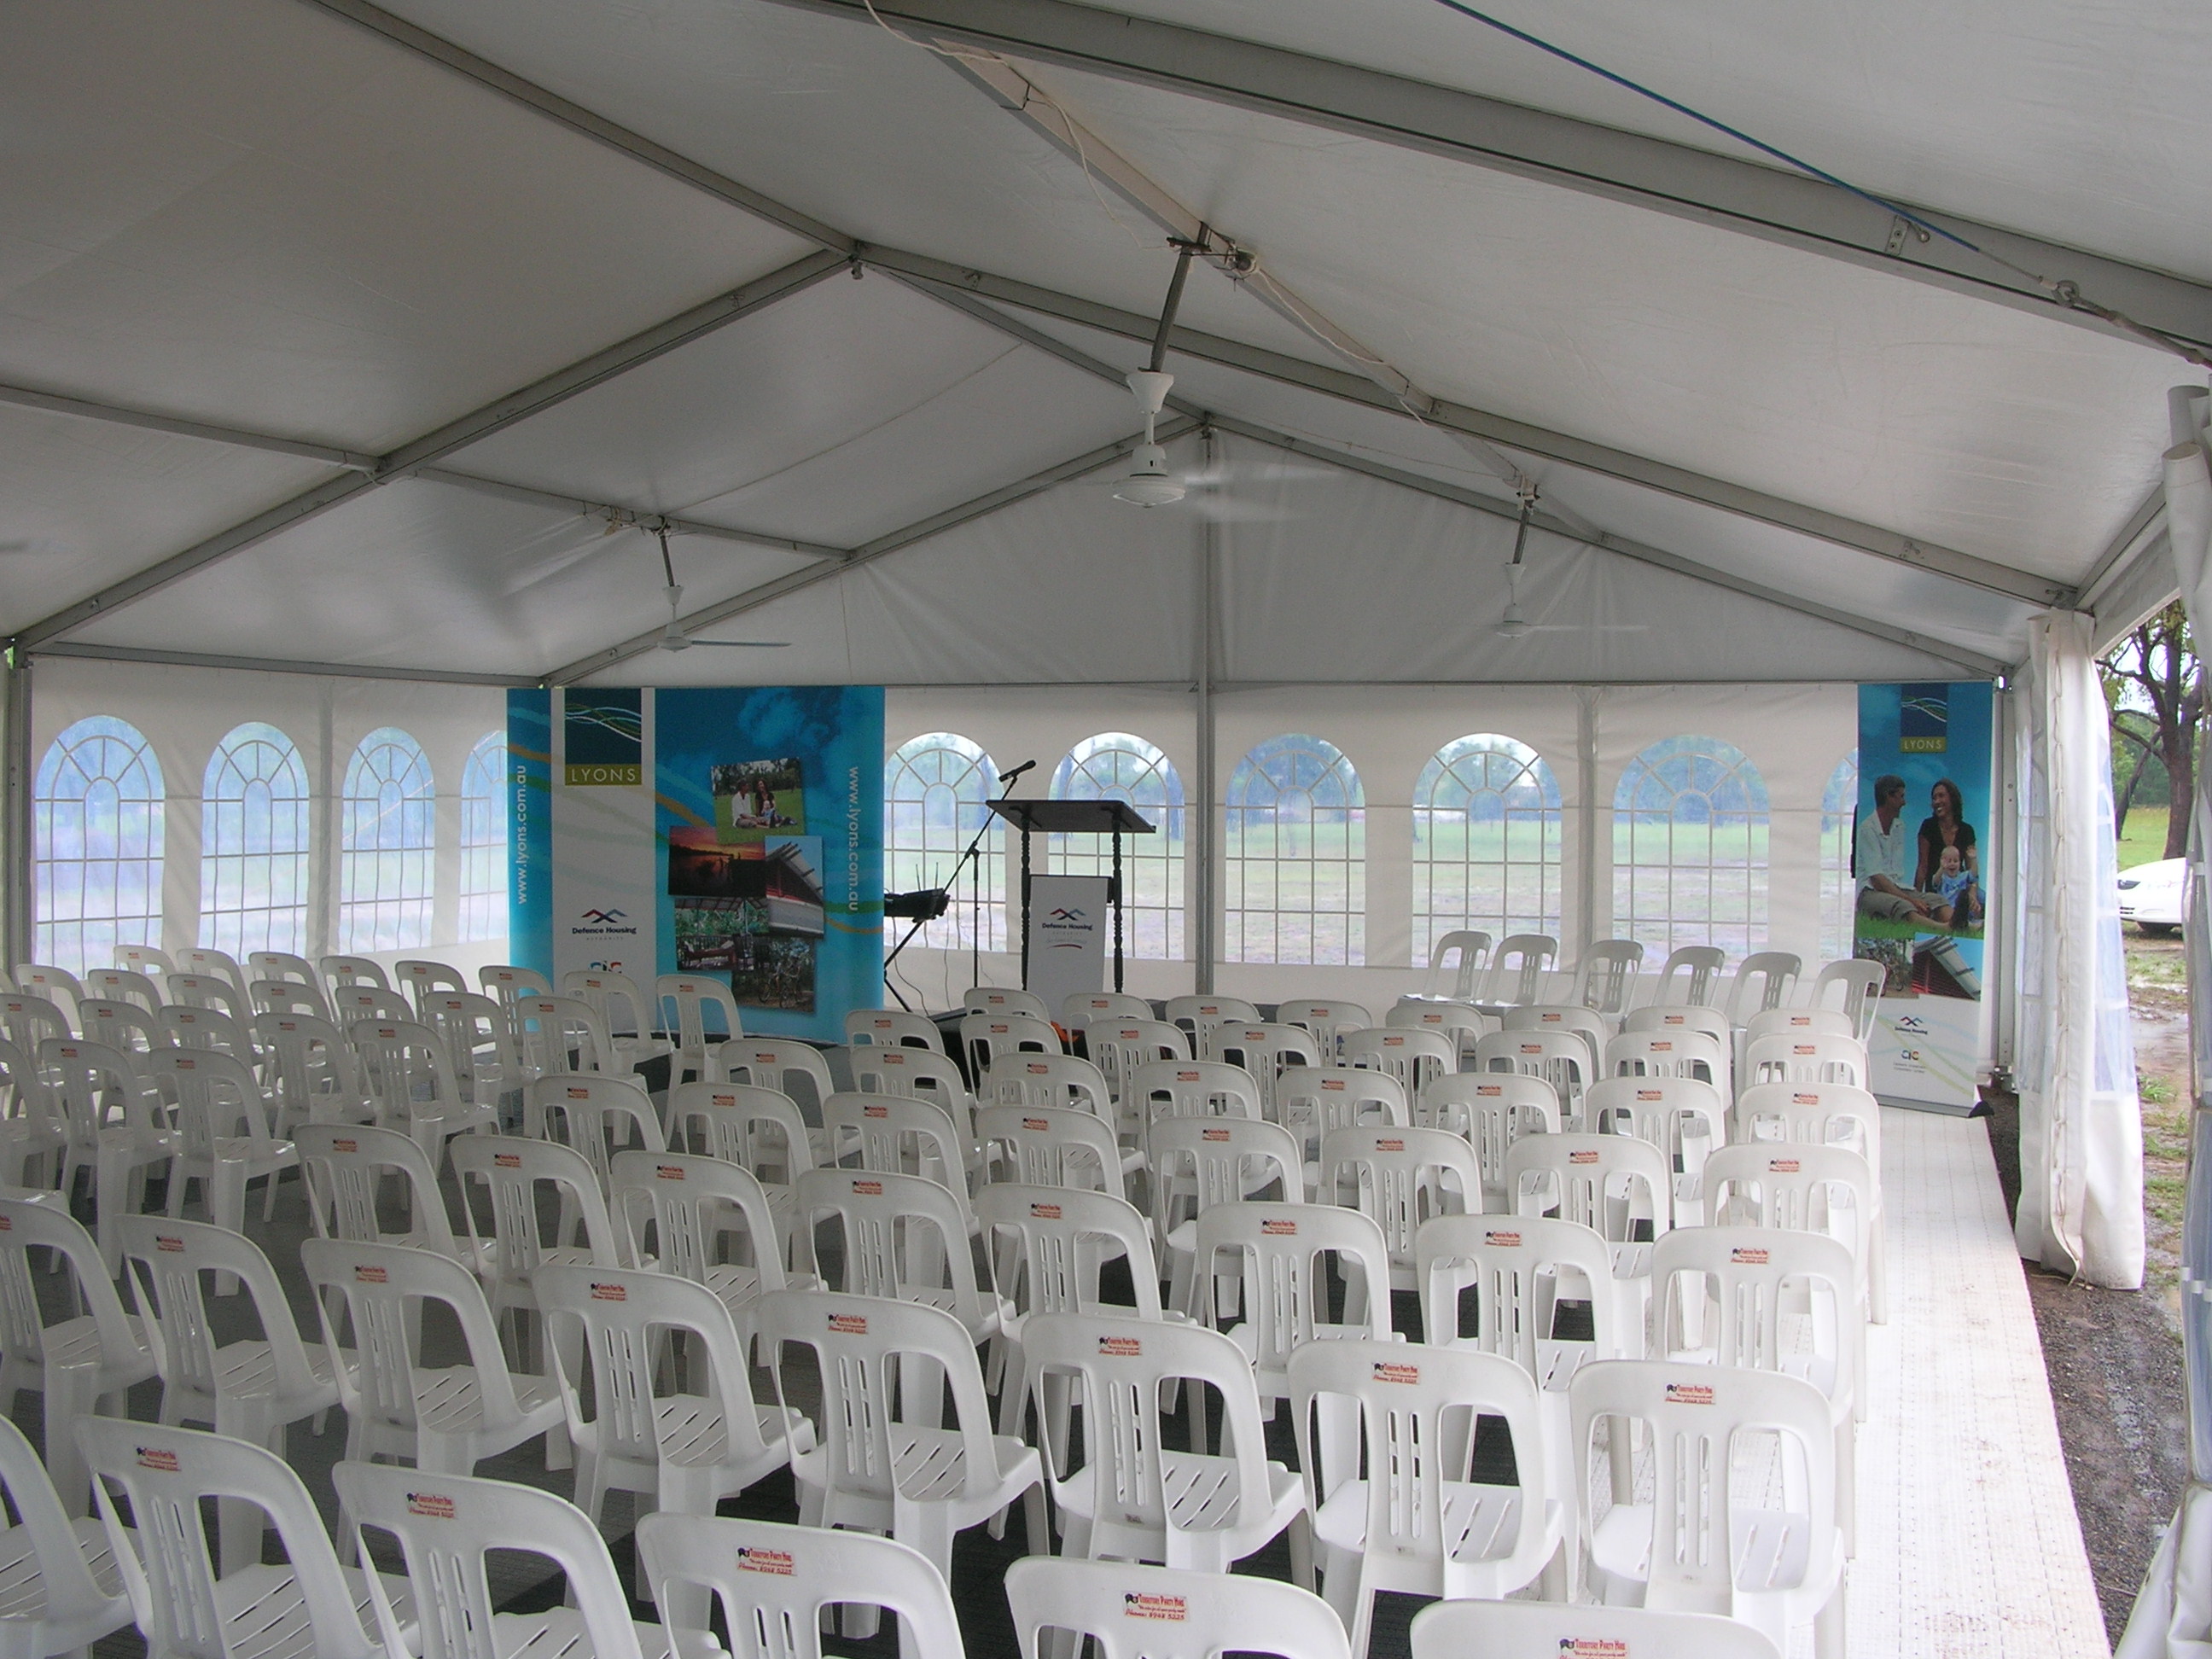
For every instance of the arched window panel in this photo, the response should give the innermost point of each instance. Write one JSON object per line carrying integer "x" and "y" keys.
{"x": 1487, "y": 841}
{"x": 1295, "y": 856}
{"x": 388, "y": 842}
{"x": 484, "y": 839}
{"x": 1116, "y": 766}
{"x": 1839, "y": 804}
{"x": 935, "y": 787}
{"x": 1689, "y": 848}
{"x": 253, "y": 844}
{"x": 96, "y": 812}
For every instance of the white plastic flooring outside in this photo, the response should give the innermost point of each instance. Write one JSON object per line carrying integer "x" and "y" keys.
{"x": 1968, "y": 1542}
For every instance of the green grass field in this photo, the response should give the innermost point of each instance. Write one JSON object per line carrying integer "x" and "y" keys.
{"x": 2143, "y": 838}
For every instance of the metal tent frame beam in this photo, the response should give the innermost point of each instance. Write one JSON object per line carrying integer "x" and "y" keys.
{"x": 274, "y": 665}
{"x": 1333, "y": 382}
{"x": 1678, "y": 179}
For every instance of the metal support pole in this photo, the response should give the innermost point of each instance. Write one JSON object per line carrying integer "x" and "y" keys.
{"x": 1203, "y": 900}
{"x": 1026, "y": 906}
{"x": 17, "y": 836}
{"x": 1117, "y": 906}
{"x": 1586, "y": 701}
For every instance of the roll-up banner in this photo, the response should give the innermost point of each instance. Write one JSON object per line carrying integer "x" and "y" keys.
{"x": 735, "y": 832}
{"x": 1068, "y": 936}
{"x": 1920, "y": 861}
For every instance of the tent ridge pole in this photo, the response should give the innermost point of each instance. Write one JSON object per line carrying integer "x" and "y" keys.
{"x": 1205, "y": 905}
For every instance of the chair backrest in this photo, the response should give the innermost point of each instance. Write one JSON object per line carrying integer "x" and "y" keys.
{"x": 25, "y": 1097}
{"x": 785, "y": 1063}
{"x": 1592, "y": 1179}
{"x": 92, "y": 1081}
{"x": 1697, "y": 970}
{"x": 1694, "y": 1414}
{"x": 876, "y": 1214}
{"x": 1663, "y": 1017}
{"x": 1466, "y": 951}
{"x": 1125, "y": 1364}
{"x": 692, "y": 1008}
{"x": 1193, "y": 1013}
{"x": 692, "y": 1203}
{"x": 1517, "y": 965}
{"x": 405, "y": 1068}
{"x": 1762, "y": 980}
{"x": 858, "y": 1342}
{"x": 986, "y": 1038}
{"x": 25, "y": 1225}
{"x": 344, "y": 1166}
{"x": 420, "y": 978}
{"x": 1721, "y": 1294}
{"x": 1329, "y": 1021}
{"x": 352, "y": 1003}
{"x": 1806, "y": 1057}
{"x": 1817, "y": 1113}
{"x": 1680, "y": 1116}
{"x": 918, "y": 1073}
{"x": 1594, "y": 1028}
{"x": 770, "y": 1576}
{"x": 1464, "y": 1020}
{"x": 342, "y": 972}
{"x": 761, "y": 1128}
{"x": 1190, "y": 1088}
{"x": 622, "y": 1007}
{"x": 893, "y": 1132}
{"x": 1050, "y": 1147}
{"x": 288, "y": 996}
{"x": 52, "y": 1588}
{"x": 893, "y": 1028}
{"x": 1272, "y": 1053}
{"x": 1199, "y": 1162}
{"x": 1607, "y": 978}
{"x": 514, "y": 1172}
{"x": 1087, "y": 1008}
{"x": 447, "y": 1524}
{"x": 1167, "y": 1613}
{"x": 1413, "y": 1055}
{"x": 555, "y": 1034}
{"x": 169, "y": 1261}
{"x": 1562, "y": 1059}
{"x": 30, "y": 1020}
{"x": 281, "y": 964}
{"x": 1278, "y": 1256}
{"x": 1414, "y": 1402}
{"x": 1490, "y": 1111}
{"x": 506, "y": 981}
{"x": 124, "y": 984}
{"x": 209, "y": 991}
{"x": 166, "y": 1559}
{"x": 1548, "y": 1630}
{"x": 1312, "y": 1101}
{"x": 1678, "y": 1052}
{"x": 479, "y": 1041}
{"x": 597, "y": 1115}
{"x": 1518, "y": 1269}
{"x": 56, "y": 985}
{"x": 209, "y": 962}
{"x": 1795, "y": 1022}
{"x": 216, "y": 1100}
{"x": 1795, "y": 1184}
{"x": 311, "y": 1066}
{"x": 123, "y": 1025}
{"x": 1401, "y": 1177}
{"x": 1005, "y": 1000}
{"x": 1045, "y": 1247}
{"x": 1035, "y": 1079}
{"x": 1118, "y": 1046}
{"x": 1855, "y": 985}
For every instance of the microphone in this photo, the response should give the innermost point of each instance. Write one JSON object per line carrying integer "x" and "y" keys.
{"x": 1026, "y": 766}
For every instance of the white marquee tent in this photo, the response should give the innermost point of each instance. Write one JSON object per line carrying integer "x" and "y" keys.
{"x": 348, "y": 353}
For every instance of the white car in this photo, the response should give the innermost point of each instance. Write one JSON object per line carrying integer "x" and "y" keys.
{"x": 2151, "y": 895}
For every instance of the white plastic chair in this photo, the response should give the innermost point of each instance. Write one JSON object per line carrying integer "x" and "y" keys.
{"x": 1413, "y": 1055}
{"x": 344, "y": 971}
{"x": 1272, "y": 1053}
{"x": 1595, "y": 1029}
{"x": 1189, "y": 1088}
{"x": 33, "y": 1132}
{"x": 250, "y": 1389}
{"x": 212, "y": 1030}
{"x": 207, "y": 962}
{"x": 780, "y": 1063}
{"x": 1271, "y": 1293}
{"x": 768, "y": 1577}
{"x": 121, "y": 1025}
{"x": 514, "y": 1248}
{"x": 1315, "y": 1100}
{"x": 1329, "y": 1021}
{"x": 1411, "y": 1516}
{"x": 901, "y": 1237}
{"x": 77, "y": 1364}
{"x": 892, "y": 1027}
{"x": 985, "y": 1039}
{"x": 1490, "y": 1111}
{"x": 625, "y": 1013}
{"x": 1798, "y": 1021}
{"x": 351, "y": 1003}
{"x": 409, "y": 1077}
{"x": 1684, "y": 1118}
{"x": 1818, "y": 1114}
{"x": 311, "y": 1072}
{"x": 288, "y": 996}
{"x": 1199, "y": 1162}
{"x": 31, "y": 1020}
{"x": 1666, "y": 1053}
{"x": 1118, "y": 1047}
{"x": 114, "y": 1128}
{"x": 1400, "y": 1177}
{"x": 310, "y": 1604}
{"x": 1035, "y": 1079}
{"x": 209, "y": 991}
{"x": 1812, "y": 1188}
{"x": 1764, "y": 979}
{"x": 1855, "y": 986}
{"x": 1520, "y": 1269}
{"x": 1607, "y": 978}
{"x": 683, "y": 1000}
{"x": 508, "y": 982}
{"x": 1135, "y": 1495}
{"x": 1517, "y": 965}
{"x": 758, "y": 1128}
{"x": 1698, "y": 967}
{"x": 883, "y": 1461}
{"x": 1663, "y": 1018}
{"x": 1050, "y": 1147}
{"x": 688, "y": 1448}
{"x": 1161, "y": 1612}
{"x": 1699, "y": 1548}
{"x": 226, "y": 1143}
{"x": 444, "y": 1536}
{"x": 554, "y": 1035}
{"x": 479, "y": 1038}
{"x": 918, "y": 1073}
{"x": 1088, "y": 1008}
{"x": 1615, "y": 1184}
{"x": 124, "y": 984}
{"x": 891, "y": 1133}
{"x": 1193, "y": 1013}
{"x": 344, "y": 1166}
{"x": 1561, "y": 1058}
{"x": 1468, "y": 950}
{"x": 60, "y": 1590}
{"x": 1004, "y": 999}
{"x": 55, "y": 985}
{"x": 1544, "y": 1630}
{"x": 418, "y": 978}
{"x": 693, "y": 1204}
{"x": 1467, "y": 1023}
{"x": 448, "y": 1419}
{"x": 1806, "y": 1057}
{"x": 598, "y": 1115}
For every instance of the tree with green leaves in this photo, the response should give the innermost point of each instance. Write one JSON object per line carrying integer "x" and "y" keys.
{"x": 2155, "y": 689}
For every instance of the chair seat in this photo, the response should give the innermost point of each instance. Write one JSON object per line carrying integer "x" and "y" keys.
{"x": 1201, "y": 1490}
{"x": 1770, "y": 1549}
{"x": 265, "y": 1616}
{"x": 23, "y": 1592}
{"x": 247, "y": 1370}
{"x": 693, "y": 1434}
{"x": 74, "y": 1345}
{"x": 1481, "y": 1522}
{"x": 448, "y": 1401}
{"x": 561, "y": 1633}
{"x": 930, "y": 1466}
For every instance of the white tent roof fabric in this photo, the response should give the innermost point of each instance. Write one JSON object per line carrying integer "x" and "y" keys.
{"x": 362, "y": 242}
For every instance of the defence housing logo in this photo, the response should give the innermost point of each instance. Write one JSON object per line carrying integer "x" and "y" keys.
{"x": 599, "y": 923}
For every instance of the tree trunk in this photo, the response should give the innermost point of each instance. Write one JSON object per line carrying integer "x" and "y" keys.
{"x": 2181, "y": 766}
{"x": 2120, "y": 807}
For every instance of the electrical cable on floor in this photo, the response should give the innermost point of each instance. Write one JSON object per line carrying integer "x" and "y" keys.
{"x": 2061, "y": 291}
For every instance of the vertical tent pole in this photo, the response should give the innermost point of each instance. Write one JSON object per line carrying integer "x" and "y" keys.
{"x": 1117, "y": 905}
{"x": 1586, "y": 699}
{"x": 1202, "y": 891}
{"x": 323, "y": 866}
{"x": 18, "y": 833}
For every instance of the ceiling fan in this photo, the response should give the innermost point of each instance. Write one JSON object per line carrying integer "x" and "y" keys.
{"x": 672, "y": 637}
{"x": 1512, "y": 625}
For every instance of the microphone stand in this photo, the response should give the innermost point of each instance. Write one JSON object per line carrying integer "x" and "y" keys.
{"x": 976, "y": 930}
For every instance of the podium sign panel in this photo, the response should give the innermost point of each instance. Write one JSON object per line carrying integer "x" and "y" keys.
{"x": 1067, "y": 924}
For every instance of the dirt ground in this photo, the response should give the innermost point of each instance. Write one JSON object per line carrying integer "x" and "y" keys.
{"x": 2114, "y": 1357}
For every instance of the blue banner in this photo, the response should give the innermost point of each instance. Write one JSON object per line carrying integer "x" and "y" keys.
{"x": 530, "y": 828}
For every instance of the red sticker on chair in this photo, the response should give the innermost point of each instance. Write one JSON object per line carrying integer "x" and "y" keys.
{"x": 1487, "y": 1090}
{"x": 891, "y": 1059}
{"x": 1689, "y": 1394}
{"x": 753, "y": 1559}
{"x": 610, "y": 1292}
{"x": 1036, "y": 1124}
{"x": 1581, "y": 1157}
{"x": 1801, "y": 1099}
{"x": 1045, "y": 1212}
{"x": 668, "y": 1172}
{"x": 725, "y": 1100}
{"x": 1165, "y": 1609}
{"x": 1213, "y": 1134}
{"x": 1334, "y": 1086}
{"x": 507, "y": 1160}
{"x": 1651, "y": 1094}
{"x": 345, "y": 1145}
{"x": 1186, "y": 1076}
{"x": 1279, "y": 1229}
{"x": 1037, "y": 1068}
{"x": 849, "y": 1324}
{"x": 868, "y": 1188}
{"x": 875, "y": 1111}
{"x": 1501, "y": 1239}
{"x": 433, "y": 1505}
{"x": 170, "y": 1246}
{"x": 157, "y": 1457}
{"x": 1750, "y": 1256}
{"x": 1121, "y": 1348}
{"x": 372, "y": 1275}
{"x": 1387, "y": 1370}
{"x": 1592, "y": 1647}
{"x": 1393, "y": 1144}
{"x": 1785, "y": 1165}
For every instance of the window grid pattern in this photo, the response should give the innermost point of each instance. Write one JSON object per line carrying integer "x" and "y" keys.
{"x": 935, "y": 787}
{"x": 1295, "y": 856}
{"x": 254, "y": 844}
{"x": 1689, "y": 848}
{"x": 1487, "y": 841}
{"x": 1839, "y": 804}
{"x": 1116, "y": 766}
{"x": 484, "y": 839}
{"x": 388, "y": 840}
{"x": 96, "y": 810}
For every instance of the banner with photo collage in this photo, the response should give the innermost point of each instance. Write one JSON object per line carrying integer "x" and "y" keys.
{"x": 731, "y": 831}
{"x": 1920, "y": 863}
